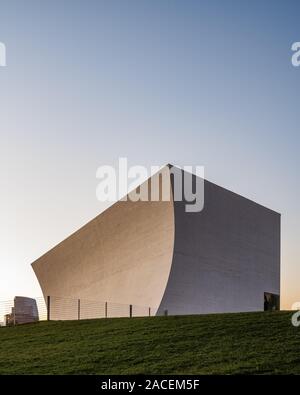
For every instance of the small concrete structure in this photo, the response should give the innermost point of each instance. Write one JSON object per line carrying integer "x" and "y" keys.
{"x": 24, "y": 311}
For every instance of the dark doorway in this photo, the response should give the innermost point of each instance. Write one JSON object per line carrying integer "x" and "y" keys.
{"x": 271, "y": 302}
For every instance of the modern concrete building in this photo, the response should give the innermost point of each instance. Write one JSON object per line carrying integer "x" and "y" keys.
{"x": 24, "y": 311}
{"x": 225, "y": 258}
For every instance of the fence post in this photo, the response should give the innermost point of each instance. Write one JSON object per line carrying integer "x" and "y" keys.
{"x": 78, "y": 309}
{"x": 130, "y": 310}
{"x": 166, "y": 313}
{"x": 105, "y": 309}
{"x": 48, "y": 308}
{"x": 149, "y": 311}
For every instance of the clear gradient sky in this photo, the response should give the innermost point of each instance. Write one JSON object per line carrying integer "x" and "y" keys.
{"x": 187, "y": 82}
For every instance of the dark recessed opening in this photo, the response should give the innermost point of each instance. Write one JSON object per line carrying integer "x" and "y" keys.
{"x": 271, "y": 301}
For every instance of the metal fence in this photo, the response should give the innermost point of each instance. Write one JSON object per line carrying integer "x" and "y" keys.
{"x": 23, "y": 310}
{"x": 59, "y": 308}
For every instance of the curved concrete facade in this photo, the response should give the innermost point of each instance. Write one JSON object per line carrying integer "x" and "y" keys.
{"x": 122, "y": 256}
{"x": 226, "y": 257}
{"x": 145, "y": 253}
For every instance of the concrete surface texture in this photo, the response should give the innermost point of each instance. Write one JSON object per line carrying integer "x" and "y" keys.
{"x": 154, "y": 253}
{"x": 123, "y": 256}
{"x": 225, "y": 257}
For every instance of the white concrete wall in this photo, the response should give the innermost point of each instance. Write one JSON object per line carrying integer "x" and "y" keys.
{"x": 225, "y": 257}
{"x": 123, "y": 256}
{"x": 154, "y": 254}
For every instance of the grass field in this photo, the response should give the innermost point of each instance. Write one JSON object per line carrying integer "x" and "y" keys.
{"x": 249, "y": 343}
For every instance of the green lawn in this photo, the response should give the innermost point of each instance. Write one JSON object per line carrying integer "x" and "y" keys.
{"x": 248, "y": 343}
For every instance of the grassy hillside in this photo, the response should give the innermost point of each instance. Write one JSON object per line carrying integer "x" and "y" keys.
{"x": 211, "y": 344}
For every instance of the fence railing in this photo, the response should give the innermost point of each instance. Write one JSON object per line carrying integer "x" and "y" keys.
{"x": 23, "y": 310}
{"x": 59, "y": 308}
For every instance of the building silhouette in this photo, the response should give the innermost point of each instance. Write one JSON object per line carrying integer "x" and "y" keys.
{"x": 225, "y": 258}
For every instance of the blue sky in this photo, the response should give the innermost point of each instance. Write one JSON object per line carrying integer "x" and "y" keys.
{"x": 188, "y": 82}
